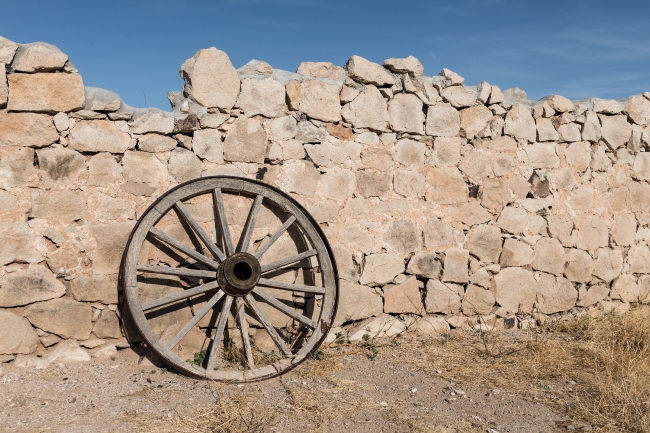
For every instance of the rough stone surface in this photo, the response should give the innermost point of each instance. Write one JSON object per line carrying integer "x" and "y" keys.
{"x": 520, "y": 123}
{"x": 156, "y": 143}
{"x": 184, "y": 165}
{"x": 445, "y": 185}
{"x": 357, "y": 302}
{"x": 515, "y": 289}
{"x": 474, "y": 120}
{"x": 18, "y": 243}
{"x": 549, "y": 256}
{"x": 403, "y": 298}
{"x": 367, "y": 72}
{"x": 638, "y": 109}
{"x": 443, "y": 298}
{"x": 16, "y": 334}
{"x": 263, "y": 96}
{"x": 7, "y": 50}
{"x": 318, "y": 100}
{"x": 455, "y": 265}
{"x": 28, "y": 286}
{"x": 27, "y": 129}
{"x": 38, "y": 57}
{"x": 616, "y": 132}
{"x": 368, "y": 110}
{"x": 484, "y": 242}
{"x": 60, "y": 165}
{"x": 580, "y": 266}
{"x": 98, "y": 136}
{"x": 516, "y": 253}
{"x": 555, "y": 294}
{"x": 477, "y": 300}
{"x": 50, "y": 93}
{"x": 381, "y": 268}
{"x": 424, "y": 264}
{"x": 246, "y": 142}
{"x": 210, "y": 79}
{"x": 63, "y": 317}
{"x": 442, "y": 121}
{"x": 405, "y": 113}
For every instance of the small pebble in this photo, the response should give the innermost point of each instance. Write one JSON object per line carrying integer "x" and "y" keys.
{"x": 586, "y": 428}
{"x": 450, "y": 399}
{"x": 72, "y": 399}
{"x": 383, "y": 403}
{"x": 459, "y": 391}
{"x": 570, "y": 427}
{"x": 438, "y": 372}
{"x": 414, "y": 390}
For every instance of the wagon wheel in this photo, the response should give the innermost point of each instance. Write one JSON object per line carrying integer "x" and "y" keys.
{"x": 229, "y": 279}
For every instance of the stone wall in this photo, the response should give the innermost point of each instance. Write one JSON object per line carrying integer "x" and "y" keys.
{"x": 466, "y": 205}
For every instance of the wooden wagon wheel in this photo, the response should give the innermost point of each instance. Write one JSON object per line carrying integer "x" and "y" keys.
{"x": 216, "y": 309}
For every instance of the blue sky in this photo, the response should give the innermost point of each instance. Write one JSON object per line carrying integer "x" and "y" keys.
{"x": 573, "y": 48}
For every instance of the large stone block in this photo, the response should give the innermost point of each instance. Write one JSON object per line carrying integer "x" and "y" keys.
{"x": 542, "y": 155}
{"x": 405, "y": 113}
{"x": 357, "y": 237}
{"x": 90, "y": 288}
{"x": 60, "y": 165}
{"x": 513, "y": 220}
{"x": 113, "y": 208}
{"x": 357, "y": 302}
{"x": 210, "y": 79}
{"x": 443, "y": 121}
{"x": 246, "y": 141}
{"x": 333, "y": 153}
{"x": 424, "y": 264}
{"x": 515, "y": 290}
{"x": 143, "y": 167}
{"x": 403, "y": 236}
{"x": 549, "y": 256}
{"x": 344, "y": 263}
{"x": 156, "y": 143}
{"x": 438, "y": 235}
{"x": 184, "y": 165}
{"x": 516, "y": 253}
{"x": 110, "y": 241}
{"x": 16, "y": 334}
{"x": 445, "y": 185}
{"x": 520, "y": 123}
{"x": 408, "y": 183}
{"x": 476, "y": 165}
{"x": 410, "y": 153}
{"x": 103, "y": 170}
{"x": 638, "y": 257}
{"x": 368, "y": 110}
{"x": 485, "y": 243}
{"x": 592, "y": 234}
{"x": 98, "y": 136}
{"x": 381, "y": 268}
{"x": 28, "y": 286}
{"x": 403, "y": 298}
{"x": 609, "y": 264}
{"x": 299, "y": 176}
{"x": 580, "y": 266}
{"x": 474, "y": 120}
{"x": 443, "y": 298}
{"x": 7, "y": 50}
{"x": 108, "y": 325}
{"x": 367, "y": 72}
{"x": 316, "y": 98}
{"x": 555, "y": 294}
{"x": 458, "y": 97}
{"x": 4, "y": 88}
{"x": 616, "y": 131}
{"x": 625, "y": 288}
{"x": 18, "y": 243}
{"x": 63, "y": 317}
{"x": 372, "y": 183}
{"x": 471, "y": 213}
{"x": 50, "y": 93}
{"x": 592, "y": 295}
{"x": 578, "y": 155}
{"x": 17, "y": 168}
{"x": 477, "y": 300}
{"x": 321, "y": 70}
{"x": 64, "y": 205}
{"x": 38, "y": 57}
{"x": 639, "y": 196}
{"x": 638, "y": 109}
{"x": 338, "y": 184}
{"x": 545, "y": 130}
{"x": 27, "y": 129}
{"x": 455, "y": 265}
{"x": 446, "y": 151}
{"x": 263, "y": 96}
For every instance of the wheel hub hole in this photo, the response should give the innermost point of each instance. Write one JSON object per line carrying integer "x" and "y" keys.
{"x": 242, "y": 271}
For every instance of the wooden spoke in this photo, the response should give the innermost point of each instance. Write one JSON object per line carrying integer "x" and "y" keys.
{"x": 245, "y": 238}
{"x": 183, "y": 332}
{"x": 261, "y": 317}
{"x": 181, "y": 272}
{"x": 260, "y": 252}
{"x": 184, "y": 249}
{"x": 243, "y": 328}
{"x": 288, "y": 260}
{"x": 288, "y": 286}
{"x": 201, "y": 233}
{"x": 220, "y": 214}
{"x": 203, "y": 288}
{"x": 282, "y": 307}
{"x": 218, "y": 335}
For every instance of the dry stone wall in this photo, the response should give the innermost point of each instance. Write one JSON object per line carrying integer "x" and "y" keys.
{"x": 446, "y": 205}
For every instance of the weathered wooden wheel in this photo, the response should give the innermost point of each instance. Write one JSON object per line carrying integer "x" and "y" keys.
{"x": 218, "y": 310}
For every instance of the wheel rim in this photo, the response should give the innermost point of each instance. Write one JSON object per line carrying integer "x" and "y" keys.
{"x": 183, "y": 277}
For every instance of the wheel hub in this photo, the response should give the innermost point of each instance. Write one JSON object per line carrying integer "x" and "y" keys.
{"x": 238, "y": 274}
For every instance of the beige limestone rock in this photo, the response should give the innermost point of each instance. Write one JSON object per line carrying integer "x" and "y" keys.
{"x": 110, "y": 242}
{"x": 609, "y": 264}
{"x": 106, "y": 352}
{"x": 402, "y": 66}
{"x": 555, "y": 294}
{"x": 455, "y": 265}
{"x": 50, "y": 93}
{"x": 515, "y": 289}
{"x": 560, "y": 104}
{"x": 638, "y": 257}
{"x": 410, "y": 153}
{"x": 616, "y": 132}
{"x": 344, "y": 263}
{"x": 545, "y": 130}
{"x": 485, "y": 243}
{"x": 608, "y": 106}
{"x": 446, "y": 151}
{"x": 424, "y": 264}
{"x": 153, "y": 121}
{"x": 642, "y": 166}
{"x": 63, "y": 204}
{"x": 108, "y": 325}
{"x": 382, "y": 326}
{"x": 445, "y": 185}
{"x": 624, "y": 230}
{"x": 638, "y": 110}
{"x": 246, "y": 142}
{"x": 592, "y": 295}
{"x": 477, "y": 300}
{"x": 283, "y": 128}
{"x": 513, "y": 220}
{"x": 38, "y": 57}
{"x": 543, "y": 155}
{"x": 210, "y": 79}
{"x": 476, "y": 165}
{"x": 473, "y": 120}
{"x": 471, "y": 213}
{"x": 358, "y": 238}
{"x": 408, "y": 183}
{"x": 338, "y": 184}
{"x": 549, "y": 256}
{"x": 560, "y": 227}
{"x": 333, "y": 154}
{"x": 432, "y": 325}
{"x": 207, "y": 145}
{"x": 403, "y": 298}
{"x": 16, "y": 334}
{"x": 495, "y": 194}
{"x": 60, "y": 165}
{"x": 405, "y": 113}
{"x": 299, "y": 176}
{"x": 443, "y": 298}
{"x": 442, "y": 121}
{"x": 317, "y": 99}
{"x": 592, "y": 234}
{"x": 26, "y": 129}
{"x": 580, "y": 267}
{"x": 458, "y": 97}
{"x": 321, "y": 70}
{"x": 516, "y": 253}
{"x": 519, "y": 186}
{"x": 263, "y": 96}
{"x": 639, "y": 196}
{"x": 143, "y": 167}
{"x": 18, "y": 243}
{"x": 4, "y": 88}
{"x": 357, "y": 302}
{"x": 520, "y": 123}
{"x": 68, "y": 352}
{"x": 98, "y": 136}
{"x": 569, "y": 132}
{"x": 367, "y": 72}
{"x": 184, "y": 165}
{"x": 27, "y": 286}
{"x": 368, "y": 110}
{"x": 214, "y": 120}
{"x": 91, "y": 288}
{"x": 103, "y": 170}
{"x": 403, "y": 236}
{"x": 7, "y": 50}
{"x": 63, "y": 317}
{"x": 625, "y": 288}
{"x": 578, "y": 155}
{"x": 582, "y": 198}
{"x": 156, "y": 143}
{"x": 381, "y": 268}
{"x": 438, "y": 235}
{"x": 591, "y": 129}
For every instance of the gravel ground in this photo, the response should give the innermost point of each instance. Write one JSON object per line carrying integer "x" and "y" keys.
{"x": 344, "y": 393}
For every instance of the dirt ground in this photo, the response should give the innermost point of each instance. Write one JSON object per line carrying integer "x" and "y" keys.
{"x": 343, "y": 392}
